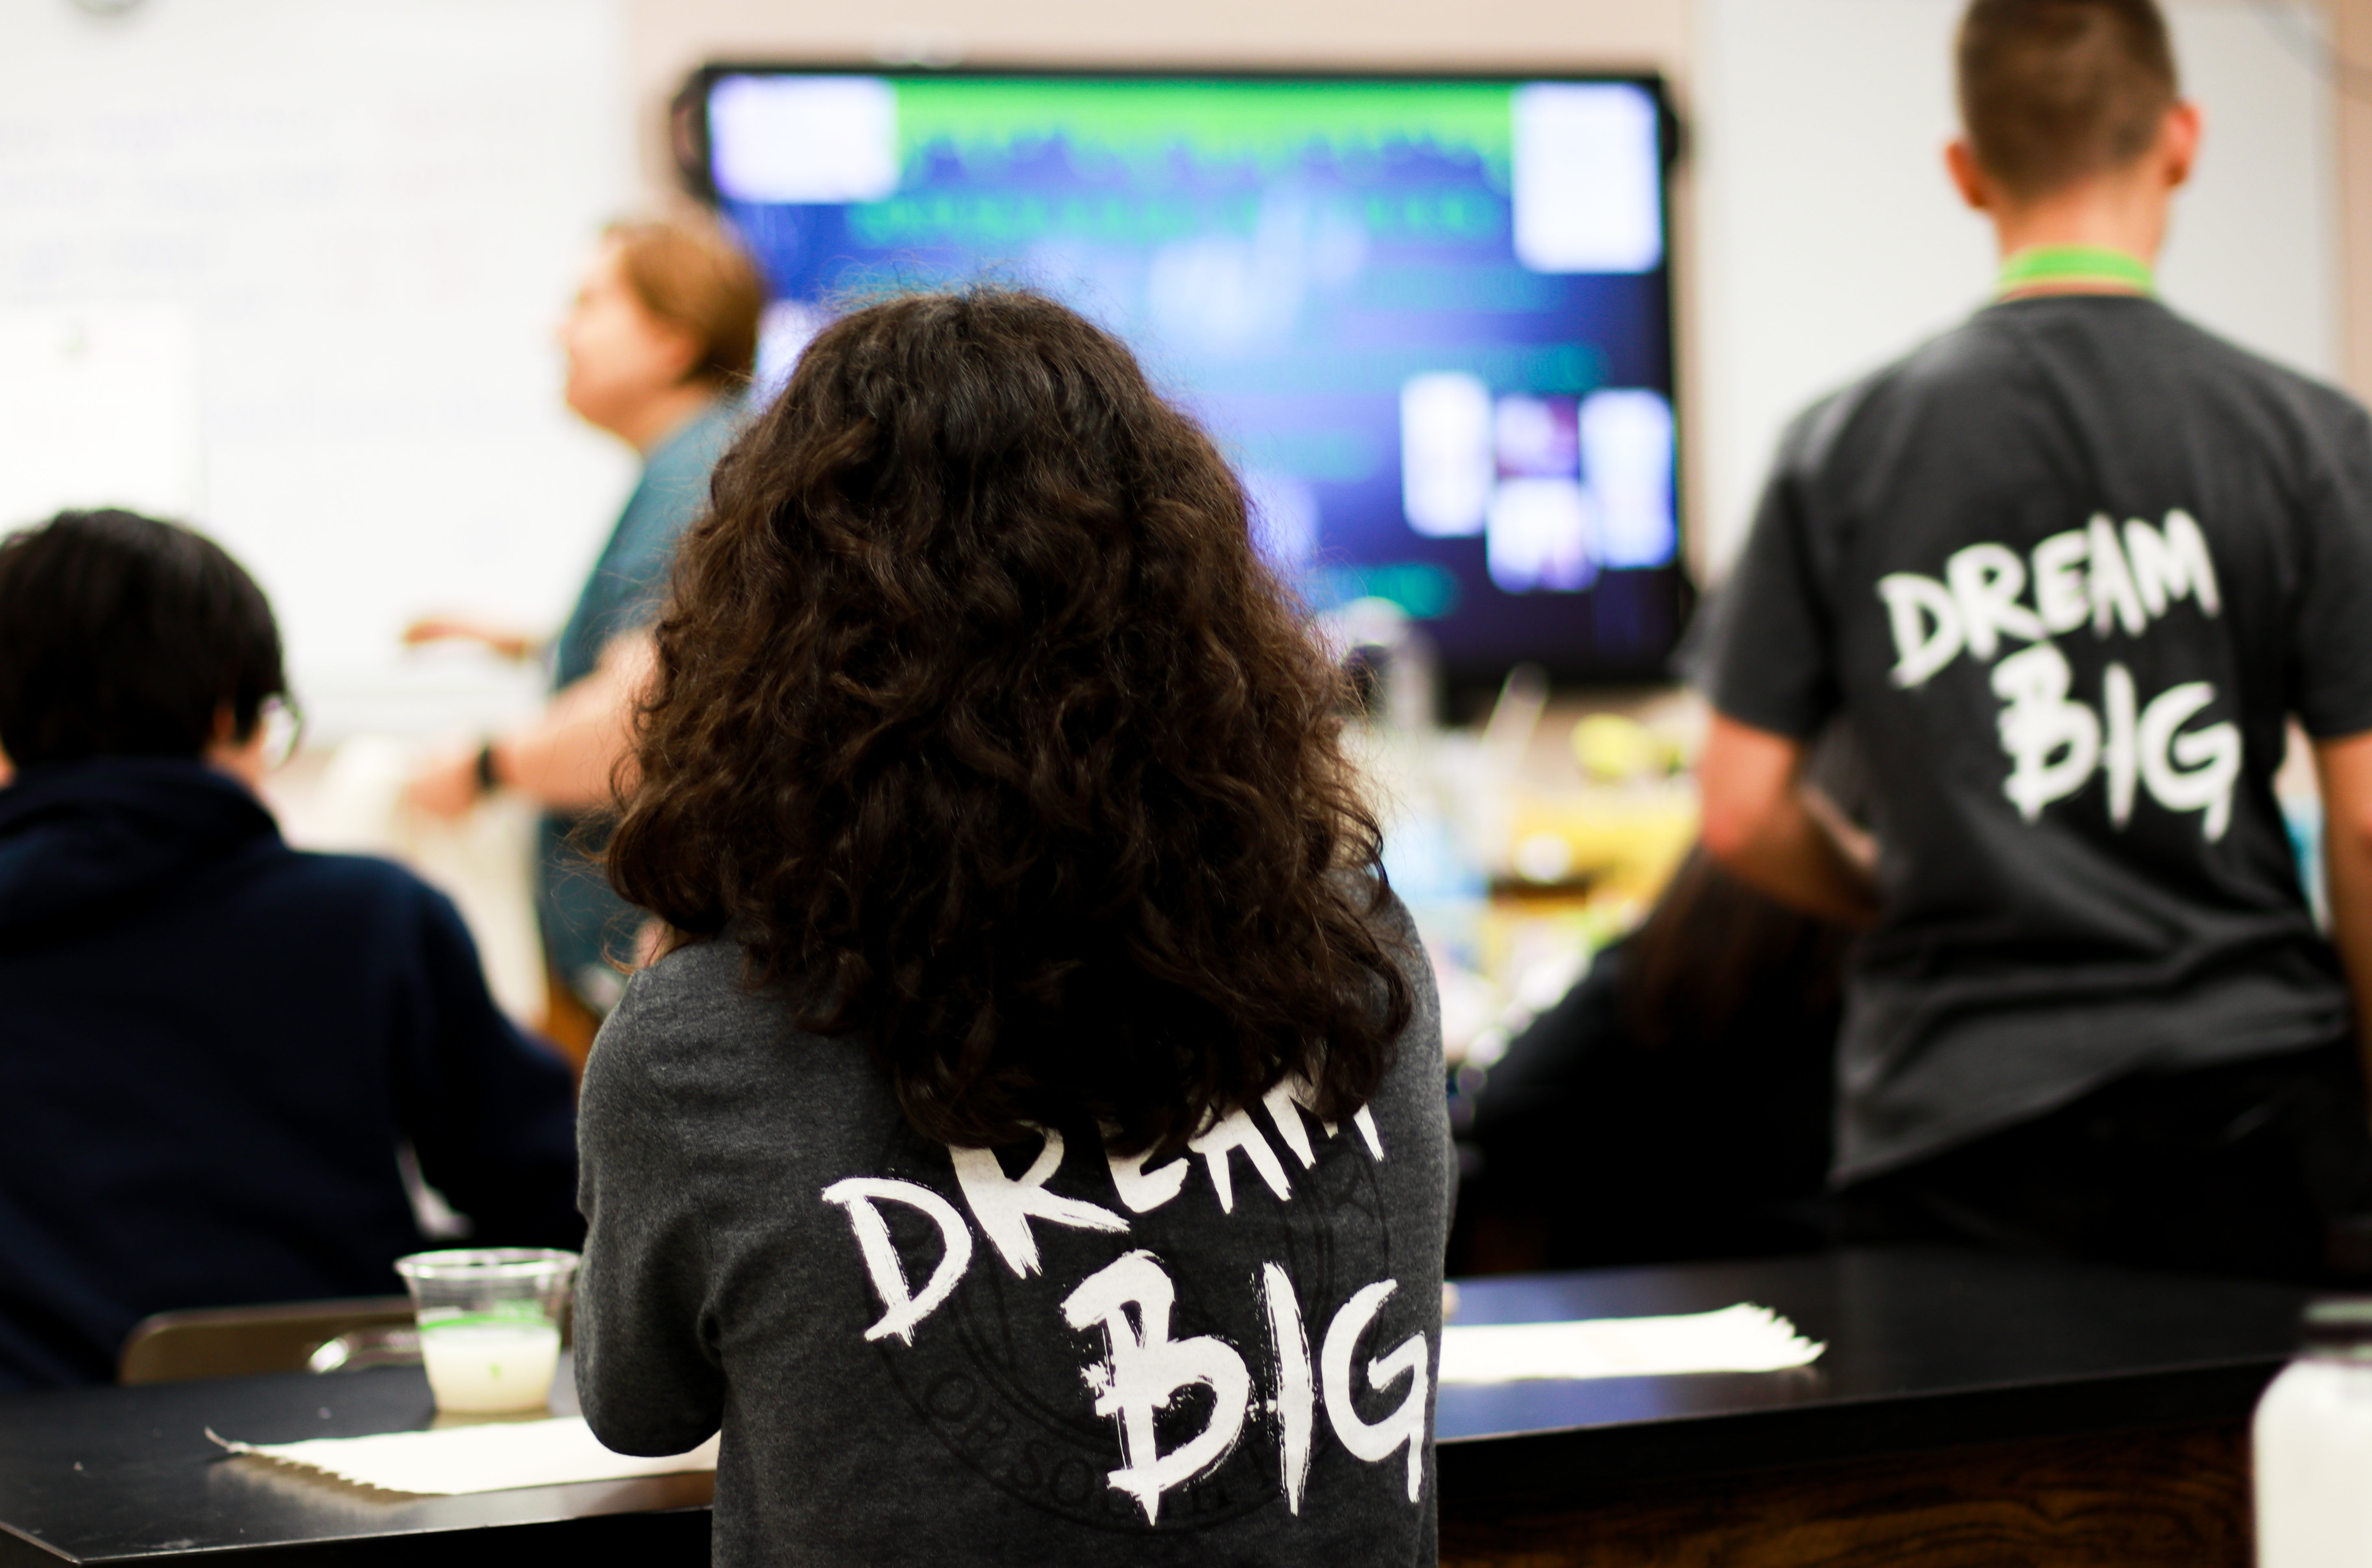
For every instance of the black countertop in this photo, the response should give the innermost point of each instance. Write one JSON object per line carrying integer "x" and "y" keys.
{"x": 1925, "y": 1349}
{"x": 128, "y": 1475}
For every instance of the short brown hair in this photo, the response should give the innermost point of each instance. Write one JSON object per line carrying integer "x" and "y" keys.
{"x": 693, "y": 276}
{"x": 2053, "y": 91}
{"x": 983, "y": 729}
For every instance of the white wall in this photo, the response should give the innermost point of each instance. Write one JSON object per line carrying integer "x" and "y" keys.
{"x": 1831, "y": 240}
{"x": 1825, "y": 239}
{"x": 290, "y": 268}
{"x": 297, "y": 262}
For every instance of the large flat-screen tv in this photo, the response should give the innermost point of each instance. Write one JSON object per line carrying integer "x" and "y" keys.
{"x": 1429, "y": 318}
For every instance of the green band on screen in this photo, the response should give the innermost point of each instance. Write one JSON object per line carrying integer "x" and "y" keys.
{"x": 2076, "y": 264}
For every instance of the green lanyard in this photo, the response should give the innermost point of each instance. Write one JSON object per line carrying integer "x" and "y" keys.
{"x": 2095, "y": 264}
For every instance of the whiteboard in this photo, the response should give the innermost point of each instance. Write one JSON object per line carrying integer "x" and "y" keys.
{"x": 290, "y": 270}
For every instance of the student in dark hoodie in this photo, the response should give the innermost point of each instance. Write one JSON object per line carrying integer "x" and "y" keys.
{"x": 213, "y": 1047}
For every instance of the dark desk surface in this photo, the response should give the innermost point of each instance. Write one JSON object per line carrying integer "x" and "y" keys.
{"x": 128, "y": 1475}
{"x": 1926, "y": 1350}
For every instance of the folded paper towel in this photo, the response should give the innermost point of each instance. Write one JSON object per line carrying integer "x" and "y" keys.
{"x": 1736, "y": 1339}
{"x": 495, "y": 1457}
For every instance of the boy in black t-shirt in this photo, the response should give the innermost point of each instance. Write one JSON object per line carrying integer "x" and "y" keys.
{"x": 2067, "y": 571}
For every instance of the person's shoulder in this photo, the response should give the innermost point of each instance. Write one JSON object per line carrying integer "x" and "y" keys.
{"x": 2228, "y": 366}
{"x": 694, "y": 1052}
{"x": 1945, "y": 366}
{"x": 350, "y": 880}
{"x": 694, "y": 979}
{"x": 693, "y": 1007}
{"x": 400, "y": 908}
{"x": 1975, "y": 352}
{"x": 2150, "y": 339}
{"x": 1396, "y": 929}
{"x": 690, "y": 452}
{"x": 674, "y": 487}
{"x": 1384, "y": 914}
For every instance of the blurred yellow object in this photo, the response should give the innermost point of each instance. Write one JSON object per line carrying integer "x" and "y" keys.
{"x": 1623, "y": 841}
{"x": 1613, "y": 748}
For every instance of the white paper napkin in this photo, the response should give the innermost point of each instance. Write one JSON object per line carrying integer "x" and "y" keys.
{"x": 495, "y": 1456}
{"x": 1743, "y": 1338}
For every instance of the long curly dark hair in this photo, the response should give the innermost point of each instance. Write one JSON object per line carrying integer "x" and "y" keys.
{"x": 980, "y": 723}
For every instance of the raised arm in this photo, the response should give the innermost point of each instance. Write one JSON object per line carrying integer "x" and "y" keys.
{"x": 1776, "y": 833}
{"x": 570, "y": 757}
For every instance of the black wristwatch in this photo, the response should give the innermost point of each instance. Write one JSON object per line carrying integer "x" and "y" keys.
{"x": 488, "y": 781}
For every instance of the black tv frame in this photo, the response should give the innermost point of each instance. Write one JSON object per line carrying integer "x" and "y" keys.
{"x": 1468, "y": 686}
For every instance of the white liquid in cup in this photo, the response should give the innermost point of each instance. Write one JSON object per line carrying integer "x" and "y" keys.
{"x": 479, "y": 1364}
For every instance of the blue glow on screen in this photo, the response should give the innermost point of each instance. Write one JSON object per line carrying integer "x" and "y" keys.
{"x": 1429, "y": 321}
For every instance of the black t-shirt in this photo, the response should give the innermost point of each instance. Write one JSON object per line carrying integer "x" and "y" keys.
{"x": 2065, "y": 569}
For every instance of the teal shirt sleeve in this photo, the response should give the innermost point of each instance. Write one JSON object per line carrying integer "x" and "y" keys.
{"x": 581, "y": 919}
{"x": 630, "y": 581}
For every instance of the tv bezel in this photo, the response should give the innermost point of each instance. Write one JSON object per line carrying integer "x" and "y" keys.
{"x": 1467, "y": 684}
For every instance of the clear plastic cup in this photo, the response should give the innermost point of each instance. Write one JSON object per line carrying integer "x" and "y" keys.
{"x": 490, "y": 1322}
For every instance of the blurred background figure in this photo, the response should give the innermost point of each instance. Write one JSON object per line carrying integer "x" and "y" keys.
{"x": 2093, "y": 1015}
{"x": 1674, "y": 1104}
{"x": 660, "y": 342}
{"x": 214, "y": 1049}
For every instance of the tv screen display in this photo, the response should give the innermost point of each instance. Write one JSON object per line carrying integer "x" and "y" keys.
{"x": 1428, "y": 319}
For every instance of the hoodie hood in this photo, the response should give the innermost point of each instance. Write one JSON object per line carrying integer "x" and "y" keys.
{"x": 80, "y": 842}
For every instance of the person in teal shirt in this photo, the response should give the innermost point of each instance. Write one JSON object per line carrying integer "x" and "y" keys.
{"x": 660, "y": 340}
{"x": 574, "y": 908}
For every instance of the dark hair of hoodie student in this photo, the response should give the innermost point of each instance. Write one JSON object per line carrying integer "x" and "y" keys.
{"x": 982, "y": 724}
{"x": 124, "y": 636}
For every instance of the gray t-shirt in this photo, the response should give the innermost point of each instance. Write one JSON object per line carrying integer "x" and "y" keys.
{"x": 1035, "y": 1355}
{"x": 2065, "y": 569}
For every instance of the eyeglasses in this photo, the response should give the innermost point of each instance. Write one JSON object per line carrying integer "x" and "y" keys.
{"x": 283, "y": 727}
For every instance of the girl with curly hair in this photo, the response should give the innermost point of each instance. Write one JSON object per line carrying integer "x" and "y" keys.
{"x": 1031, "y": 1148}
